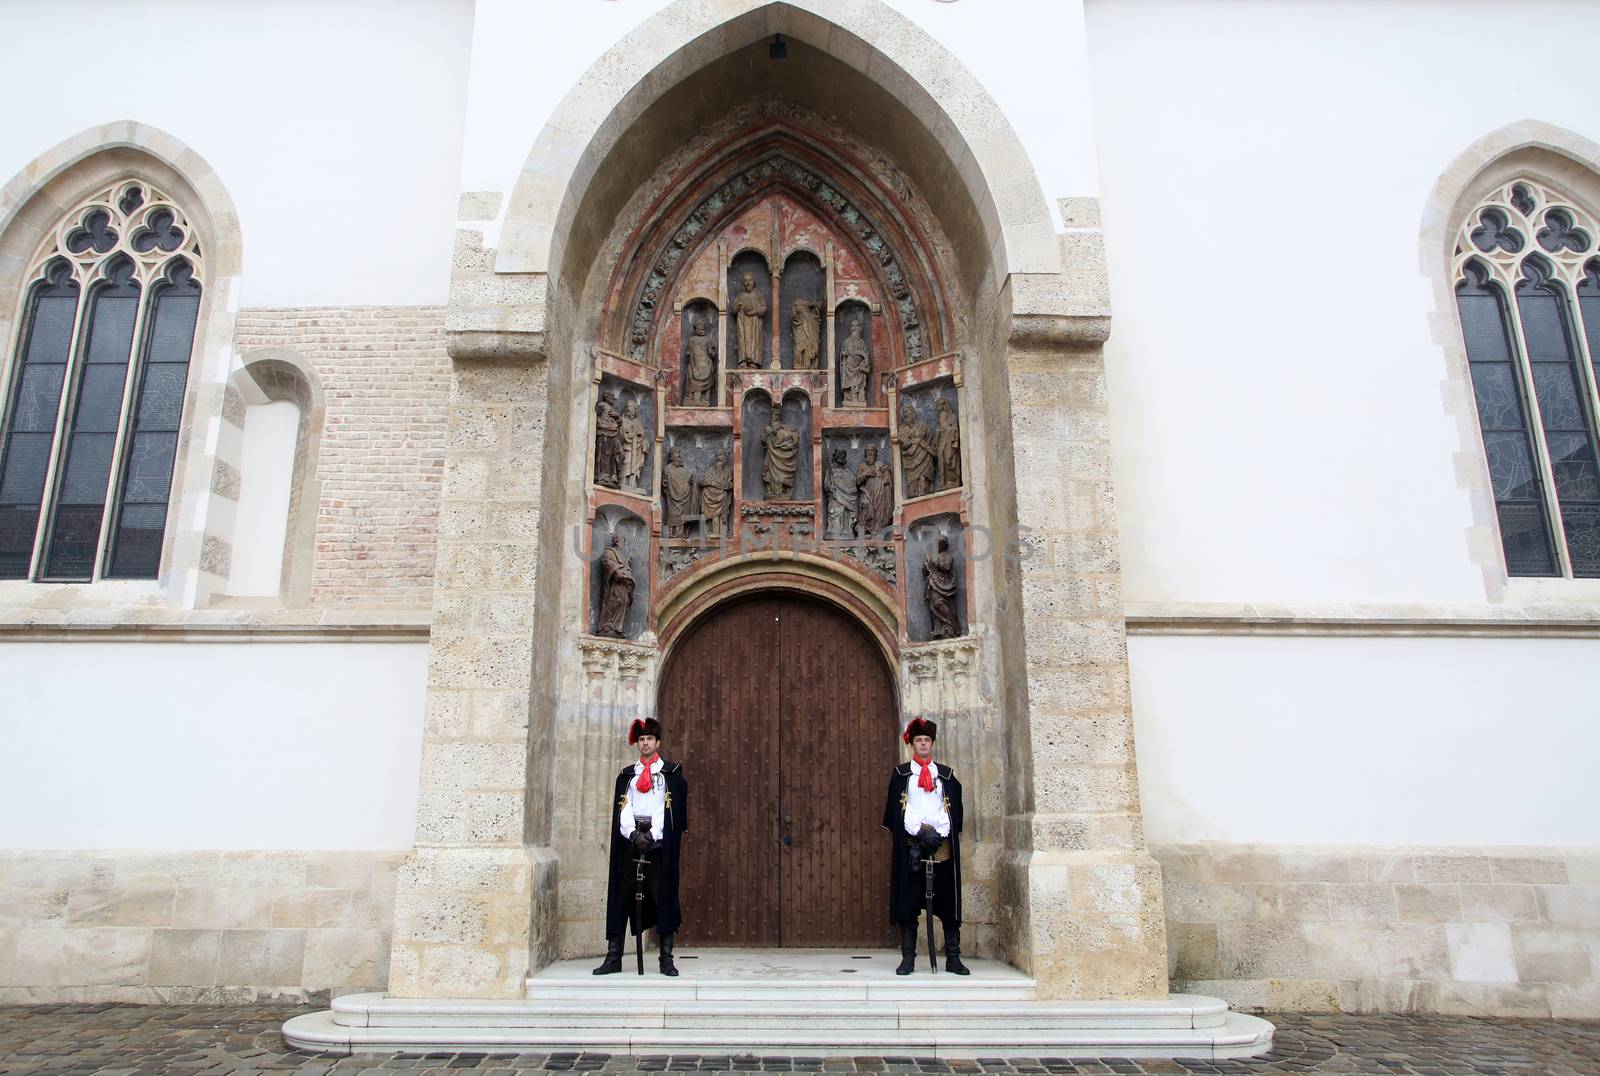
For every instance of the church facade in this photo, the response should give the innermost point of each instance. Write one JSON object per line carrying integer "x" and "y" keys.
{"x": 1215, "y": 456}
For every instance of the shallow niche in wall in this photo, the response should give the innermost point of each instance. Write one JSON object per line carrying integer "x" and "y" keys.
{"x": 777, "y": 447}
{"x": 856, "y": 365}
{"x": 744, "y": 306}
{"x": 697, "y": 484}
{"x": 929, "y": 431}
{"x": 857, "y": 484}
{"x": 619, "y": 573}
{"x": 936, "y": 590}
{"x": 800, "y": 322}
{"x": 624, "y": 437}
{"x": 701, "y": 361}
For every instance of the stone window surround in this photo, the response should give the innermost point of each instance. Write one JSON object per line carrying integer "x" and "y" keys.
{"x": 198, "y": 543}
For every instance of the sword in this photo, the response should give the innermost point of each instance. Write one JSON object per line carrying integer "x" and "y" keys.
{"x": 639, "y": 865}
{"x": 927, "y": 897}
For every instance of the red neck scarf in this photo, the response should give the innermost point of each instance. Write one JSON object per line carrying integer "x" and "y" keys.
{"x": 925, "y": 782}
{"x": 645, "y": 783}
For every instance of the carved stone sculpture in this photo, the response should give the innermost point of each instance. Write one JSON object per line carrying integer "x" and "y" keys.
{"x": 855, "y": 366}
{"x": 700, "y": 354}
{"x": 607, "y": 441}
{"x": 616, "y": 589}
{"x": 949, "y": 445}
{"x": 635, "y": 447}
{"x": 749, "y": 309}
{"x": 841, "y": 486}
{"x": 806, "y": 317}
{"x": 678, "y": 498}
{"x": 916, "y": 452}
{"x": 782, "y": 445}
{"x": 716, "y": 494}
{"x": 939, "y": 592}
{"x": 875, "y": 494}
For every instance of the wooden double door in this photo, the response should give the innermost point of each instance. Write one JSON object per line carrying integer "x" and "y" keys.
{"x": 782, "y": 711}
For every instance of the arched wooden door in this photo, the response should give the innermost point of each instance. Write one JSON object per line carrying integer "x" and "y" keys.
{"x": 782, "y": 711}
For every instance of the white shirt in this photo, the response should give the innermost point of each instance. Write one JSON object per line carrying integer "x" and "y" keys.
{"x": 651, "y": 804}
{"x": 926, "y": 806}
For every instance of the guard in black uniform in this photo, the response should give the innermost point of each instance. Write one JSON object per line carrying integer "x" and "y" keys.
{"x": 923, "y": 816}
{"x": 649, "y": 814}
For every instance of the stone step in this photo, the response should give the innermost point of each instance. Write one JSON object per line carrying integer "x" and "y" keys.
{"x": 887, "y": 1016}
{"x": 450, "y": 1025}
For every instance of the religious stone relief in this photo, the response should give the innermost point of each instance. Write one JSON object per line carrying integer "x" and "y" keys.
{"x": 930, "y": 439}
{"x": 855, "y": 358}
{"x": 875, "y": 489}
{"x": 620, "y": 542}
{"x": 947, "y": 443}
{"x": 680, "y": 495}
{"x": 916, "y": 451}
{"x": 840, "y": 485}
{"x": 749, "y": 288}
{"x": 806, "y": 318}
{"x": 716, "y": 496}
{"x": 696, "y": 485}
{"x": 801, "y": 287}
{"x": 699, "y": 375}
{"x": 935, "y": 562}
{"x": 875, "y": 558}
{"x": 780, "y": 449}
{"x": 624, "y": 427}
{"x": 858, "y": 485}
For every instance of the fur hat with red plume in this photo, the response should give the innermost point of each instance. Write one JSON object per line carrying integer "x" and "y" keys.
{"x": 921, "y": 726}
{"x": 644, "y": 726}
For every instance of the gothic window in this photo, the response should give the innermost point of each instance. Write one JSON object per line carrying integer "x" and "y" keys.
{"x": 1527, "y": 273}
{"x": 94, "y": 390}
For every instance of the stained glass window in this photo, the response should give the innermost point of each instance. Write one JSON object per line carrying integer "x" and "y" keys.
{"x": 1528, "y": 295}
{"x": 94, "y": 392}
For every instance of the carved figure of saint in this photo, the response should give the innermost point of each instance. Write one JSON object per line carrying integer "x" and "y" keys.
{"x": 855, "y": 366}
{"x": 749, "y": 309}
{"x": 607, "y": 441}
{"x": 875, "y": 489}
{"x": 635, "y": 446}
{"x": 916, "y": 452}
{"x": 716, "y": 493}
{"x": 700, "y": 354}
{"x": 616, "y": 589}
{"x": 949, "y": 445}
{"x": 806, "y": 316}
{"x": 939, "y": 592}
{"x": 678, "y": 498}
{"x": 782, "y": 444}
{"x": 841, "y": 486}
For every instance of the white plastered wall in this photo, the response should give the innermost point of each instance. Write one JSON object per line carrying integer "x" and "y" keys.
{"x": 1275, "y": 391}
{"x": 210, "y": 745}
{"x": 336, "y": 128}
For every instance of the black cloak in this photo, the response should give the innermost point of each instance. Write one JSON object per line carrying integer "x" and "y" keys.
{"x": 619, "y": 881}
{"x": 905, "y": 891}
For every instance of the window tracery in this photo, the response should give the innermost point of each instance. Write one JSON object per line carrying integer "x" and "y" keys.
{"x": 93, "y": 391}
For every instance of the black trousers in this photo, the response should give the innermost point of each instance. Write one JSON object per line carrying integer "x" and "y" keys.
{"x": 944, "y": 896}
{"x": 651, "y": 888}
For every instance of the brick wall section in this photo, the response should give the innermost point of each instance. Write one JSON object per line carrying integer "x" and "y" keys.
{"x": 386, "y": 376}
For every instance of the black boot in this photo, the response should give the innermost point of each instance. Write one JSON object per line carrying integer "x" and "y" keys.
{"x": 908, "y": 949}
{"x": 613, "y": 961}
{"x": 667, "y": 966}
{"x": 952, "y": 951}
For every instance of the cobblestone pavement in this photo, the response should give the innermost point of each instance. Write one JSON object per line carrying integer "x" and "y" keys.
{"x": 136, "y": 1039}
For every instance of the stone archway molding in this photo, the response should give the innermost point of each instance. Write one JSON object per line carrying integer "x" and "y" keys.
{"x": 703, "y": 591}
{"x": 197, "y": 552}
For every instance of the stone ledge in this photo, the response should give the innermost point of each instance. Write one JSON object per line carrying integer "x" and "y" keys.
{"x": 1565, "y": 620}
{"x": 161, "y": 624}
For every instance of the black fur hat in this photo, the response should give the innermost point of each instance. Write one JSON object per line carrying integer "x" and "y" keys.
{"x": 644, "y": 726}
{"x": 920, "y": 726}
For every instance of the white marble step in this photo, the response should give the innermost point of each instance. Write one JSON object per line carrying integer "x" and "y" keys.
{"x": 371, "y": 1010}
{"x": 432, "y": 1026}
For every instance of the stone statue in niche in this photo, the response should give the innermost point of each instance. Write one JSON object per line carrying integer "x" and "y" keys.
{"x": 855, "y": 366}
{"x": 678, "y": 498}
{"x": 635, "y": 447}
{"x": 875, "y": 500}
{"x": 939, "y": 592}
{"x": 782, "y": 444}
{"x": 949, "y": 445}
{"x": 616, "y": 589}
{"x": 700, "y": 353}
{"x": 607, "y": 441}
{"x": 716, "y": 494}
{"x": 916, "y": 452}
{"x": 806, "y": 316}
{"x": 749, "y": 309}
{"x": 842, "y": 488}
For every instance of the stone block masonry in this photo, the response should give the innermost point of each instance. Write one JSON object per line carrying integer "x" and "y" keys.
{"x": 193, "y": 927}
{"x": 387, "y": 381}
{"x": 1471, "y": 931}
